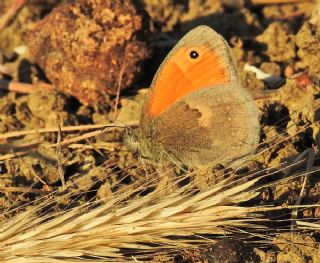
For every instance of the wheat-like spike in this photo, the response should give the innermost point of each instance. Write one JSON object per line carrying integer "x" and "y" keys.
{"x": 142, "y": 225}
{"x": 123, "y": 226}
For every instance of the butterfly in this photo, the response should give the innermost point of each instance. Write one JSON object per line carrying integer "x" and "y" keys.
{"x": 196, "y": 112}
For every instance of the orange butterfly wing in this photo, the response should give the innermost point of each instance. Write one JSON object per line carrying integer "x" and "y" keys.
{"x": 200, "y": 59}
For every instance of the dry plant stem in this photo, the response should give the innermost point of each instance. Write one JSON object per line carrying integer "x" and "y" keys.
{"x": 77, "y": 138}
{"x": 24, "y": 87}
{"x": 110, "y": 146}
{"x": 63, "y": 143}
{"x": 292, "y": 15}
{"x": 11, "y": 13}
{"x": 294, "y": 213}
{"x": 266, "y": 95}
{"x": 119, "y": 83}
{"x": 22, "y": 190}
{"x": 58, "y": 153}
{"x": 15, "y": 155}
{"x": 68, "y": 128}
{"x": 296, "y": 160}
{"x": 308, "y": 225}
{"x": 32, "y": 170}
{"x": 262, "y": 2}
{"x": 6, "y": 71}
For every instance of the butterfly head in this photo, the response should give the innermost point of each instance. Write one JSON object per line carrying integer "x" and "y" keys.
{"x": 138, "y": 143}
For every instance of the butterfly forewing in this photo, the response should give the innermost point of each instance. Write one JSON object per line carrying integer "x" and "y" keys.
{"x": 180, "y": 74}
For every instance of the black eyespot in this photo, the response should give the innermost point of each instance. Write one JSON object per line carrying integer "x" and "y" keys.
{"x": 193, "y": 54}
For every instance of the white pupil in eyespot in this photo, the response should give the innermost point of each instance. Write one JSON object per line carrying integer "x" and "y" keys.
{"x": 194, "y": 54}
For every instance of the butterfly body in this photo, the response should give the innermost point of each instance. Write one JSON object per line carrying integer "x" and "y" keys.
{"x": 196, "y": 112}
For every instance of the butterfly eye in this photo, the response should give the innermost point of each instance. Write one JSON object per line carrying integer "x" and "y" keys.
{"x": 193, "y": 54}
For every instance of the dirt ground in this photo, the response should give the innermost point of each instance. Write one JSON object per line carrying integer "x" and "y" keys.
{"x": 90, "y": 61}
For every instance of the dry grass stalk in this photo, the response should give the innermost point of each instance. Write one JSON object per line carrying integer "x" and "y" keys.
{"x": 9, "y": 15}
{"x": 104, "y": 231}
{"x": 66, "y": 129}
{"x": 21, "y": 152}
{"x": 124, "y": 226}
{"x": 23, "y": 87}
{"x": 116, "y": 104}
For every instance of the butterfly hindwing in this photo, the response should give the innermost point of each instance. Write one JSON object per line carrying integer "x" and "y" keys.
{"x": 215, "y": 124}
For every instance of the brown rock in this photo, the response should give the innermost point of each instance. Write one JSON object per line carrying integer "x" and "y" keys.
{"x": 88, "y": 47}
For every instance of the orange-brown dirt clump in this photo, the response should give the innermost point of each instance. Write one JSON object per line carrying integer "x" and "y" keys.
{"x": 91, "y": 47}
